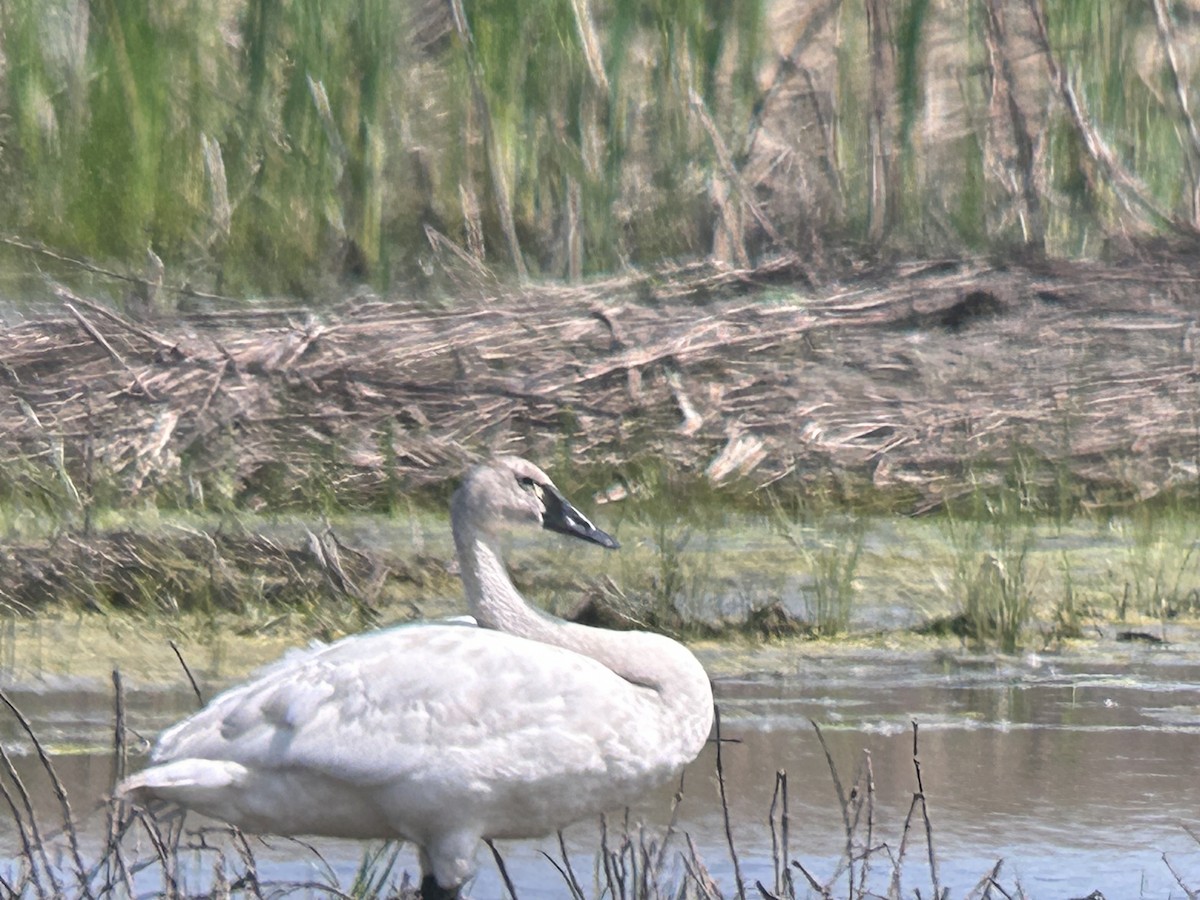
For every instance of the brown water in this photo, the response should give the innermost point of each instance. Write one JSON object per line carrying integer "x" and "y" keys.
{"x": 1079, "y": 771}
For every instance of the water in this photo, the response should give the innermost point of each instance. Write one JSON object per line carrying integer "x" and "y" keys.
{"x": 1077, "y": 771}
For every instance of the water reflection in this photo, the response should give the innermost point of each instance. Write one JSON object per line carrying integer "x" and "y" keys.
{"x": 1080, "y": 774}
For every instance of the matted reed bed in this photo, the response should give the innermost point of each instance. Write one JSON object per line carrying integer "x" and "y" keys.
{"x": 918, "y": 384}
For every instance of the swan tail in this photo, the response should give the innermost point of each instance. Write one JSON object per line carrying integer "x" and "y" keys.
{"x": 185, "y": 781}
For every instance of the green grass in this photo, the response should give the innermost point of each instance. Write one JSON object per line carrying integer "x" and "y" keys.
{"x": 1013, "y": 565}
{"x": 1160, "y": 577}
{"x": 828, "y": 548}
{"x": 260, "y": 148}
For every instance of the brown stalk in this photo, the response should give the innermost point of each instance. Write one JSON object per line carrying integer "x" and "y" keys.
{"x": 661, "y": 858}
{"x": 778, "y": 858}
{"x": 188, "y": 672}
{"x": 1128, "y": 187}
{"x": 987, "y": 882}
{"x": 500, "y": 186}
{"x": 165, "y": 855}
{"x": 574, "y": 230}
{"x": 843, "y": 802}
{"x": 606, "y": 856}
{"x": 141, "y": 331}
{"x": 565, "y": 869}
{"x": 1191, "y": 894}
{"x": 249, "y": 877}
{"x": 1163, "y": 21}
{"x": 108, "y": 348}
{"x": 898, "y": 865}
{"x": 829, "y": 159}
{"x": 59, "y": 792}
{"x": 881, "y": 51}
{"x": 27, "y": 842}
{"x": 933, "y": 869}
{"x": 473, "y": 262}
{"x": 725, "y": 160}
{"x": 116, "y": 807}
{"x": 868, "y": 849}
{"x": 737, "y": 866}
{"x": 1020, "y": 156}
{"x": 821, "y": 889}
{"x": 699, "y": 873}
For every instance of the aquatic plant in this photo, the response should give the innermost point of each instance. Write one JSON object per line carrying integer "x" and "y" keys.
{"x": 1160, "y": 577}
{"x": 828, "y": 550}
{"x": 992, "y": 538}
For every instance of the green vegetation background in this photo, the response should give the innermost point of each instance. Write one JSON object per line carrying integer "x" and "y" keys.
{"x": 260, "y": 146}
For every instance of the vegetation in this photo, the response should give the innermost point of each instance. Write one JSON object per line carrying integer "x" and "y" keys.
{"x": 258, "y": 147}
{"x": 180, "y": 158}
{"x": 992, "y": 544}
{"x": 993, "y": 580}
{"x": 828, "y": 547}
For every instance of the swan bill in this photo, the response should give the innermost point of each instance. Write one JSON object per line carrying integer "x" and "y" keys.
{"x": 564, "y": 518}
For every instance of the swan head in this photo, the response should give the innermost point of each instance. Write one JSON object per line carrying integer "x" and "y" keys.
{"x": 509, "y": 491}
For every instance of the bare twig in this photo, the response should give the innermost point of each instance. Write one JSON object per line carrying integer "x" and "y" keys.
{"x": 821, "y": 889}
{"x": 933, "y": 867}
{"x": 699, "y": 874}
{"x": 108, "y": 348}
{"x": 59, "y": 792}
{"x": 725, "y": 158}
{"x": 778, "y": 858}
{"x": 1191, "y": 894}
{"x": 34, "y": 247}
{"x": 661, "y": 859}
{"x": 249, "y": 876}
{"x": 868, "y": 848}
{"x": 984, "y": 887}
{"x": 116, "y": 816}
{"x": 28, "y": 843}
{"x": 565, "y": 869}
{"x": 843, "y": 803}
{"x": 188, "y": 672}
{"x": 737, "y": 866}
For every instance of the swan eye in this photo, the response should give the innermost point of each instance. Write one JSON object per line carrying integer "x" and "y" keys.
{"x": 530, "y": 485}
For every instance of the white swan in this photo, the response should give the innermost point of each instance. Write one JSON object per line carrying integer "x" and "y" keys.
{"x": 446, "y": 734}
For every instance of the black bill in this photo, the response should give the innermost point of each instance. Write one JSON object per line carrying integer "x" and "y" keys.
{"x": 564, "y": 518}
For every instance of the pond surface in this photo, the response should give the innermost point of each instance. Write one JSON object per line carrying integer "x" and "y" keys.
{"x": 1079, "y": 771}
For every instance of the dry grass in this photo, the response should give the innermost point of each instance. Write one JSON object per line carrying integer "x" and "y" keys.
{"x": 886, "y": 387}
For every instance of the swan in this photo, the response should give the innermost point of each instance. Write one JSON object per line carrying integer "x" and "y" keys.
{"x": 447, "y": 734}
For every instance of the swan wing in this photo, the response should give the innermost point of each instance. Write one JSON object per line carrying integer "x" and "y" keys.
{"x": 445, "y": 702}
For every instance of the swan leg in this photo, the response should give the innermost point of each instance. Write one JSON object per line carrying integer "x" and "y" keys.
{"x": 431, "y": 890}
{"x": 447, "y": 859}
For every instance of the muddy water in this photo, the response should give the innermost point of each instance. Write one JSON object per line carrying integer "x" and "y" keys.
{"x": 1079, "y": 771}
{"x": 1080, "y": 774}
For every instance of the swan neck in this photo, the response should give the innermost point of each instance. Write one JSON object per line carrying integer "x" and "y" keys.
{"x": 647, "y": 660}
{"x": 491, "y": 596}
